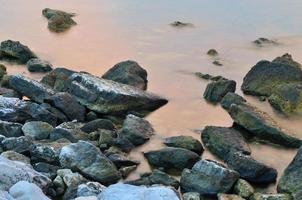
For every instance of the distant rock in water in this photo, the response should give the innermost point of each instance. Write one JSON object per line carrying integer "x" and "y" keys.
{"x": 260, "y": 42}
{"x": 128, "y": 72}
{"x": 58, "y": 21}
{"x": 15, "y": 51}
{"x": 212, "y": 52}
{"x": 216, "y": 90}
{"x": 180, "y": 24}
{"x": 217, "y": 63}
{"x": 38, "y": 65}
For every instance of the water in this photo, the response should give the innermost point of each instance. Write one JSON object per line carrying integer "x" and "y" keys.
{"x": 112, "y": 31}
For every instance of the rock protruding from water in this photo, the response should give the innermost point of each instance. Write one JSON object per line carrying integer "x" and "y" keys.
{"x": 15, "y": 51}
{"x": 57, "y": 78}
{"x": 129, "y": 73}
{"x": 216, "y": 90}
{"x": 109, "y": 97}
{"x": 58, "y": 21}
{"x": 38, "y": 65}
{"x": 179, "y": 24}
{"x": 186, "y": 142}
{"x": 262, "y": 42}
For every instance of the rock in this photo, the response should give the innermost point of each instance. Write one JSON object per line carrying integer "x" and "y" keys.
{"x": 10, "y": 129}
{"x": 90, "y": 116}
{"x": 37, "y": 130}
{"x": 30, "y": 88}
{"x": 231, "y": 98}
{"x": 5, "y": 92}
{"x": 5, "y": 196}
{"x": 203, "y": 76}
{"x": 229, "y": 197}
{"x": 90, "y": 189}
{"x": 44, "y": 153}
{"x": 258, "y": 196}
{"x": 14, "y": 156}
{"x": 38, "y": 65}
{"x": 180, "y": 24}
{"x": 120, "y": 160}
{"x": 57, "y": 78}
{"x": 16, "y": 51}
{"x": 262, "y": 98}
{"x": 124, "y": 144}
{"x": 129, "y": 73}
{"x": 265, "y": 76}
{"x": 12, "y": 172}
{"x": 287, "y": 98}
{"x": 98, "y": 124}
{"x": 3, "y": 71}
{"x": 68, "y": 105}
{"x": 191, "y": 196}
{"x": 25, "y": 190}
{"x": 70, "y": 131}
{"x": 186, "y": 142}
{"x": 137, "y": 130}
{"x": 261, "y": 125}
{"x": 106, "y": 138}
{"x": 243, "y": 189}
{"x": 126, "y": 171}
{"x": 212, "y": 52}
{"x": 250, "y": 169}
{"x": 291, "y": 180}
{"x": 59, "y": 184}
{"x": 172, "y": 158}
{"x": 216, "y": 90}
{"x": 261, "y": 42}
{"x": 109, "y": 97}
{"x": 217, "y": 63}
{"x": 157, "y": 177}
{"x": 208, "y": 178}
{"x": 18, "y": 144}
{"x": 88, "y": 160}
{"x": 122, "y": 191}
{"x": 222, "y": 141}
{"x": 46, "y": 169}
{"x": 58, "y": 21}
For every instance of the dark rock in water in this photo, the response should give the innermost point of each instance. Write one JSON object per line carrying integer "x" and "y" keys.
{"x": 231, "y": 98}
{"x": 180, "y": 24}
{"x": 109, "y": 97}
{"x": 70, "y": 131}
{"x": 3, "y": 71}
{"x": 212, "y": 52}
{"x": 10, "y": 129}
{"x": 30, "y": 88}
{"x": 38, "y": 65}
{"x": 208, "y": 178}
{"x": 203, "y": 76}
{"x": 68, "y": 105}
{"x": 58, "y": 21}
{"x": 90, "y": 189}
{"x": 16, "y": 51}
{"x": 172, "y": 158}
{"x": 157, "y": 177}
{"x": 186, "y": 142}
{"x": 57, "y": 78}
{"x": 287, "y": 98}
{"x": 137, "y": 130}
{"x": 261, "y": 125}
{"x": 291, "y": 180}
{"x": 259, "y": 196}
{"x": 120, "y": 160}
{"x": 222, "y": 141}
{"x": 16, "y": 110}
{"x": 18, "y": 144}
{"x": 98, "y": 124}
{"x": 217, "y": 63}
{"x": 265, "y": 76}
{"x": 250, "y": 169}
{"x": 216, "y": 90}
{"x": 88, "y": 160}
{"x": 37, "y": 130}
{"x": 260, "y": 42}
{"x": 129, "y": 73}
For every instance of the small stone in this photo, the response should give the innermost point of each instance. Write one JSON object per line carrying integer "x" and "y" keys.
{"x": 25, "y": 190}
{"x": 229, "y": 197}
{"x": 212, "y": 52}
{"x": 18, "y": 144}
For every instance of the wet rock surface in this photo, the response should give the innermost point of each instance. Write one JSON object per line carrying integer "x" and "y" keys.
{"x": 14, "y": 50}
{"x": 186, "y": 142}
{"x": 216, "y": 90}
{"x": 58, "y": 21}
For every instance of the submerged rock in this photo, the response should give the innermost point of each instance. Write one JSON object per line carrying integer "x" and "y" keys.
{"x": 70, "y": 131}
{"x": 58, "y": 21}
{"x": 186, "y": 142}
{"x": 217, "y": 63}
{"x": 191, "y": 196}
{"x": 25, "y": 190}
{"x": 216, "y": 90}
{"x": 259, "y": 196}
{"x": 231, "y": 98}
{"x": 212, "y": 52}
{"x": 109, "y": 97}
{"x": 90, "y": 189}
{"x": 243, "y": 189}
{"x": 260, "y": 42}
{"x": 291, "y": 180}
{"x": 208, "y": 178}
{"x": 129, "y": 73}
{"x": 18, "y": 144}
{"x": 94, "y": 125}
{"x": 180, "y": 24}
{"x": 14, "y": 156}
{"x": 172, "y": 158}
{"x": 229, "y": 197}
{"x": 38, "y": 65}
{"x": 15, "y": 50}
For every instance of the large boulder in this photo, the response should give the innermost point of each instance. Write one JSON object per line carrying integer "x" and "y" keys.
{"x": 129, "y": 73}
{"x": 30, "y": 88}
{"x": 10, "y": 129}
{"x": 261, "y": 125}
{"x": 172, "y": 158}
{"x": 216, "y": 90}
{"x": 265, "y": 76}
{"x": 122, "y": 191}
{"x": 222, "y": 141}
{"x": 26, "y": 190}
{"x": 109, "y": 97}
{"x": 89, "y": 161}
{"x": 16, "y": 51}
{"x": 58, "y": 21}
{"x": 12, "y": 155}
{"x": 38, "y": 65}
{"x": 186, "y": 142}
{"x": 13, "y": 171}
{"x": 137, "y": 130}
{"x": 208, "y": 178}
{"x": 16, "y": 110}
{"x": 291, "y": 180}
{"x": 37, "y": 130}
{"x": 97, "y": 124}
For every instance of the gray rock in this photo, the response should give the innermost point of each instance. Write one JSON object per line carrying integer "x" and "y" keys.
{"x": 61, "y": 117}
{"x": 38, "y": 65}
{"x": 18, "y": 144}
{"x": 122, "y": 191}
{"x": 186, "y": 142}
{"x": 261, "y": 42}
{"x": 6, "y": 92}
{"x": 25, "y": 190}
{"x": 10, "y": 129}
{"x": 259, "y": 196}
{"x": 98, "y": 124}
{"x": 14, "y": 156}
{"x": 88, "y": 160}
{"x": 126, "y": 171}
{"x": 216, "y": 90}
{"x": 90, "y": 189}
{"x": 172, "y": 158}
{"x": 109, "y": 97}
{"x": 37, "y": 130}
{"x": 58, "y": 21}
{"x": 129, "y": 73}
{"x": 16, "y": 51}
{"x": 243, "y": 189}
{"x": 231, "y": 98}
{"x": 5, "y": 196}
{"x": 212, "y": 52}
{"x": 208, "y": 178}
{"x": 229, "y": 197}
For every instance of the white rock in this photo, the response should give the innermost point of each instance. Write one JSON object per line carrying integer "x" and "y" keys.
{"x": 24, "y": 190}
